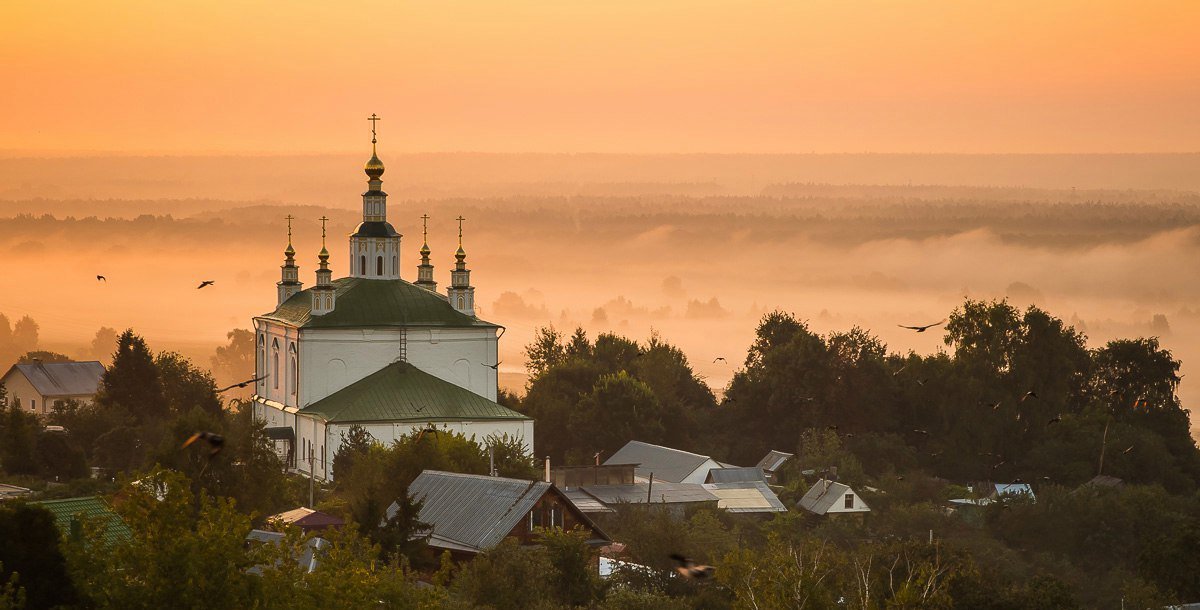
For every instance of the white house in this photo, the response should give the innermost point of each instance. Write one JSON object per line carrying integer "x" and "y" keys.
{"x": 830, "y": 497}
{"x": 665, "y": 463}
{"x": 375, "y": 350}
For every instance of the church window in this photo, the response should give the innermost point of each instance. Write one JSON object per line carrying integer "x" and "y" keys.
{"x": 379, "y": 266}
{"x": 363, "y": 264}
{"x": 275, "y": 362}
{"x": 462, "y": 303}
{"x": 293, "y": 370}
{"x": 262, "y": 359}
{"x": 394, "y": 264}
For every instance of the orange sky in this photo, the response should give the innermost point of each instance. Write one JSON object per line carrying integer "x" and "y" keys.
{"x": 611, "y": 76}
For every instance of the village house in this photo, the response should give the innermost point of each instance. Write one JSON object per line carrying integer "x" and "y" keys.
{"x": 664, "y": 463}
{"x": 827, "y": 497}
{"x": 36, "y": 387}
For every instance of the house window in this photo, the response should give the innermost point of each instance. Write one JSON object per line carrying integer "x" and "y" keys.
{"x": 849, "y": 501}
{"x": 363, "y": 264}
{"x": 32, "y": 405}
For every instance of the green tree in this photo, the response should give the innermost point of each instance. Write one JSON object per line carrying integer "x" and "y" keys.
{"x": 18, "y": 438}
{"x": 619, "y": 408}
{"x": 133, "y": 383}
{"x": 31, "y": 549}
{"x": 102, "y": 344}
{"x": 43, "y": 356}
{"x": 234, "y": 362}
{"x": 186, "y": 387}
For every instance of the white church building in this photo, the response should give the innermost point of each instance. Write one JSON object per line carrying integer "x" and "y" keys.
{"x": 375, "y": 350}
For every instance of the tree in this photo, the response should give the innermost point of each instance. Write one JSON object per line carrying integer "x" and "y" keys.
{"x": 619, "y": 408}
{"x": 133, "y": 383}
{"x": 18, "y": 438}
{"x": 356, "y": 442}
{"x": 234, "y": 362}
{"x": 186, "y": 387}
{"x": 25, "y": 335}
{"x": 545, "y": 352}
{"x": 102, "y": 344}
{"x": 508, "y": 577}
{"x": 43, "y": 356}
{"x": 31, "y": 549}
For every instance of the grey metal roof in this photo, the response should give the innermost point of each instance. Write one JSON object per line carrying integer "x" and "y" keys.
{"x": 746, "y": 497}
{"x": 773, "y": 460}
{"x": 474, "y": 511}
{"x": 62, "y": 378}
{"x": 824, "y": 494}
{"x": 661, "y": 492}
{"x": 666, "y": 463}
{"x": 585, "y": 502}
{"x": 736, "y": 475}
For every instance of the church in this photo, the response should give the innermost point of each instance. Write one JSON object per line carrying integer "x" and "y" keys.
{"x": 375, "y": 350}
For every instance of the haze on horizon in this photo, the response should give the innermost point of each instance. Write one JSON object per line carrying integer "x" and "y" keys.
{"x": 135, "y": 76}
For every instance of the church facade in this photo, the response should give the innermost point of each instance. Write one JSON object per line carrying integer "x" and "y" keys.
{"x": 375, "y": 350}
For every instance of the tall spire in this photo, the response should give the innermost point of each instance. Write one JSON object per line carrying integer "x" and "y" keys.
{"x": 289, "y": 281}
{"x": 323, "y": 293}
{"x": 375, "y": 244}
{"x": 425, "y": 269}
{"x": 461, "y": 293}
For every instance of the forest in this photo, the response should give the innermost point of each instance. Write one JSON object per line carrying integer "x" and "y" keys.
{"x": 1016, "y": 395}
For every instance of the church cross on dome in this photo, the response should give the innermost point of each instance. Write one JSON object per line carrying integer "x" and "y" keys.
{"x": 289, "y": 218}
{"x": 460, "y": 220}
{"x": 374, "y": 118}
{"x": 323, "y": 219}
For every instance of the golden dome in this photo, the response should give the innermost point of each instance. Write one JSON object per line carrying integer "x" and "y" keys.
{"x": 374, "y": 166}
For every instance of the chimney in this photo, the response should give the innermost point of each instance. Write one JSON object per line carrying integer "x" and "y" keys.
{"x": 597, "y": 457}
{"x": 547, "y": 469}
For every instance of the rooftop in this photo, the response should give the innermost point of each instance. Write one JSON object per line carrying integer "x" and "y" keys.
{"x": 665, "y": 463}
{"x": 69, "y": 511}
{"x": 62, "y": 378}
{"x": 373, "y": 303}
{"x": 402, "y": 392}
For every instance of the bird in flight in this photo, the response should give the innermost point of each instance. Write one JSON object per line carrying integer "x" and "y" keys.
{"x": 1028, "y": 395}
{"x": 1127, "y": 450}
{"x": 242, "y": 384}
{"x": 720, "y": 359}
{"x": 692, "y": 570}
{"x": 922, "y": 432}
{"x": 994, "y": 405}
{"x": 421, "y": 434}
{"x": 922, "y": 329}
{"x": 101, "y": 278}
{"x": 1054, "y": 420}
{"x": 205, "y": 283}
{"x": 494, "y": 367}
{"x": 897, "y": 371}
{"x": 215, "y": 441}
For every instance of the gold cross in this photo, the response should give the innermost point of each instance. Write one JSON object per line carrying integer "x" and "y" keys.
{"x": 323, "y": 219}
{"x": 373, "y": 118}
{"x": 290, "y": 218}
{"x": 460, "y": 220}
{"x": 425, "y": 227}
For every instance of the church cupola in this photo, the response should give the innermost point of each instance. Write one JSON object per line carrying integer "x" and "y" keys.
{"x": 425, "y": 269}
{"x": 289, "y": 281}
{"x": 375, "y": 244}
{"x": 324, "y": 297}
{"x": 461, "y": 293}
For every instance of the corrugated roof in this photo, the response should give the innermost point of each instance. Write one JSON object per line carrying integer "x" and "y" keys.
{"x": 306, "y": 518}
{"x": 746, "y": 497}
{"x": 473, "y": 510}
{"x": 585, "y": 502}
{"x": 667, "y": 464}
{"x": 362, "y": 302}
{"x": 68, "y": 511}
{"x": 62, "y": 378}
{"x": 402, "y": 392}
{"x": 661, "y": 492}
{"x": 824, "y": 494}
{"x": 773, "y": 460}
{"x": 736, "y": 475}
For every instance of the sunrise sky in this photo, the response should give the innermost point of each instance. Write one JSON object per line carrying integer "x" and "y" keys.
{"x": 142, "y": 76}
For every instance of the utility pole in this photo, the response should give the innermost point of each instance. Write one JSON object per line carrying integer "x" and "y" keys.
{"x": 1103, "y": 444}
{"x": 311, "y": 504}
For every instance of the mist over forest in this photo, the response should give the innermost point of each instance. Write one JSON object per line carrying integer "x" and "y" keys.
{"x": 694, "y": 247}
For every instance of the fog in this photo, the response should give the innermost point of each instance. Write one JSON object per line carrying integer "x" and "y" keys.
{"x": 694, "y": 247}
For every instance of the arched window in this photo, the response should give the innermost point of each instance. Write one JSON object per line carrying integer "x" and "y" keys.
{"x": 275, "y": 362}
{"x": 293, "y": 370}
{"x": 379, "y": 266}
{"x": 394, "y": 266}
{"x": 462, "y": 303}
{"x": 262, "y": 360}
{"x": 363, "y": 265}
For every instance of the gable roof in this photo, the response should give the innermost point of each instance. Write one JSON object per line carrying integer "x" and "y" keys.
{"x": 1013, "y": 489}
{"x": 306, "y": 519}
{"x": 370, "y": 303}
{"x": 660, "y": 492}
{"x": 68, "y": 510}
{"x": 736, "y": 475}
{"x": 824, "y": 494}
{"x": 475, "y": 512}
{"x": 773, "y": 460}
{"x": 62, "y": 378}
{"x": 667, "y": 464}
{"x": 402, "y": 392}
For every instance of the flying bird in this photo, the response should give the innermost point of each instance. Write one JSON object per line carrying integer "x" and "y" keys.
{"x": 922, "y": 329}
{"x": 1028, "y": 395}
{"x": 995, "y": 466}
{"x": 897, "y": 371}
{"x": 922, "y": 381}
{"x": 214, "y": 440}
{"x": 1054, "y": 420}
{"x": 101, "y": 278}
{"x": 242, "y": 384}
{"x": 692, "y": 570}
{"x": 720, "y": 359}
{"x": 994, "y": 405}
{"x": 494, "y": 367}
{"x": 419, "y": 409}
{"x": 1127, "y": 450}
{"x": 205, "y": 283}
{"x": 925, "y": 432}
{"x": 421, "y": 434}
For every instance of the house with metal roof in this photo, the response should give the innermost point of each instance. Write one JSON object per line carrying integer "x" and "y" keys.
{"x": 736, "y": 474}
{"x": 827, "y": 497}
{"x": 376, "y": 350}
{"x": 468, "y": 514}
{"x": 307, "y": 519}
{"x": 664, "y": 463}
{"x": 35, "y": 387}
{"x": 71, "y": 514}
{"x": 732, "y": 496}
{"x": 772, "y": 462}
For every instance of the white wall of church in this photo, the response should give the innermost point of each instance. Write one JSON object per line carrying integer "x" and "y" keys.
{"x": 276, "y": 346}
{"x": 331, "y": 359}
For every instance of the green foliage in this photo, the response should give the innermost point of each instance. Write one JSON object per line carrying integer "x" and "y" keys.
{"x": 234, "y": 362}
{"x": 186, "y": 387}
{"x": 18, "y": 438}
{"x": 43, "y": 356}
{"x": 31, "y": 550}
{"x": 133, "y": 383}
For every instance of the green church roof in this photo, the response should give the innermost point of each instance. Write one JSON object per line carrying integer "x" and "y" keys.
{"x": 67, "y": 512}
{"x": 361, "y": 302}
{"x": 402, "y": 392}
